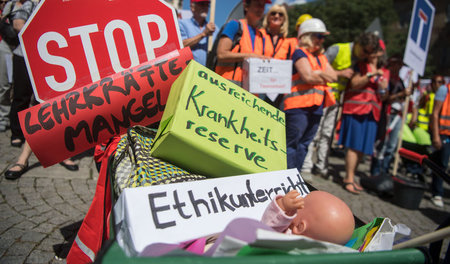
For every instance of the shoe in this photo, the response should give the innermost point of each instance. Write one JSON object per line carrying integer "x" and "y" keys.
{"x": 71, "y": 167}
{"x": 16, "y": 142}
{"x": 321, "y": 173}
{"x": 437, "y": 201}
{"x": 352, "y": 189}
{"x": 13, "y": 175}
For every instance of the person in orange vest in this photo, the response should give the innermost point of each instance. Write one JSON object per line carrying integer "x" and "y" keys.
{"x": 275, "y": 31}
{"x": 277, "y": 44}
{"x": 309, "y": 93}
{"x": 440, "y": 138}
{"x": 240, "y": 40}
{"x": 362, "y": 107}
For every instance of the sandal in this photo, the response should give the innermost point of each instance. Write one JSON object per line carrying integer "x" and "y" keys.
{"x": 13, "y": 175}
{"x": 358, "y": 187}
{"x": 16, "y": 142}
{"x": 353, "y": 190}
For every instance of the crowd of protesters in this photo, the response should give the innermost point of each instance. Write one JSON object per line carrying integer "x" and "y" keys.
{"x": 351, "y": 84}
{"x": 354, "y": 77}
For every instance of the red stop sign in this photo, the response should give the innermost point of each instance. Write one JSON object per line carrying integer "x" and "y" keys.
{"x": 69, "y": 44}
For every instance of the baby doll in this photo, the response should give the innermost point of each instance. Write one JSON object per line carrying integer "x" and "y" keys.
{"x": 320, "y": 215}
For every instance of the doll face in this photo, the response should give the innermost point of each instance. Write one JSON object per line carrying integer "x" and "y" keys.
{"x": 324, "y": 217}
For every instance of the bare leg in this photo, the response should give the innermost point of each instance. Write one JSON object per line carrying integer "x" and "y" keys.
{"x": 352, "y": 159}
{"x": 23, "y": 157}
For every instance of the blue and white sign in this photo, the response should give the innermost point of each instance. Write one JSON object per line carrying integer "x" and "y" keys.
{"x": 419, "y": 35}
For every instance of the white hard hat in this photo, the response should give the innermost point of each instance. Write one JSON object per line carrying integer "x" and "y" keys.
{"x": 312, "y": 25}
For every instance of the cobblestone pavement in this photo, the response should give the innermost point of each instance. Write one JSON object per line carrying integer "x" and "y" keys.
{"x": 40, "y": 212}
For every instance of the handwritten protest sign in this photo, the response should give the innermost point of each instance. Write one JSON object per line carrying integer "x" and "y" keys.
{"x": 178, "y": 212}
{"x": 213, "y": 127}
{"x": 74, "y": 122}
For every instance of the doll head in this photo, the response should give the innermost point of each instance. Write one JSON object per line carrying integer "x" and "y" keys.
{"x": 324, "y": 217}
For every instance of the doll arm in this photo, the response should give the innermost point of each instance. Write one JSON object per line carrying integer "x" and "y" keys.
{"x": 291, "y": 202}
{"x": 275, "y": 215}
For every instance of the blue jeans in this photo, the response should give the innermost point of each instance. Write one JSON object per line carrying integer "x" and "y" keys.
{"x": 441, "y": 158}
{"x": 389, "y": 146}
{"x": 301, "y": 127}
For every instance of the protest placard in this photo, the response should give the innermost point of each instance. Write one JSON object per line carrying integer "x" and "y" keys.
{"x": 74, "y": 122}
{"x": 215, "y": 128}
{"x": 267, "y": 76}
{"x": 178, "y": 212}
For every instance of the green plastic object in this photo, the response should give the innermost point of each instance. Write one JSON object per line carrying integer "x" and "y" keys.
{"x": 407, "y": 256}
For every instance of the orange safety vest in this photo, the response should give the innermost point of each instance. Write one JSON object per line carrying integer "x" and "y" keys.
{"x": 284, "y": 47}
{"x": 233, "y": 70}
{"x": 365, "y": 100}
{"x": 444, "y": 117}
{"x": 307, "y": 95}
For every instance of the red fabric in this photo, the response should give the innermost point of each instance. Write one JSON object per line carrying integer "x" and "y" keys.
{"x": 96, "y": 220}
{"x": 370, "y": 101}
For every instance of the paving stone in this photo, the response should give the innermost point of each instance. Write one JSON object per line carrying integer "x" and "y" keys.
{"x": 12, "y": 259}
{"x": 48, "y": 243}
{"x": 20, "y": 249}
{"x": 43, "y": 208}
{"x": 5, "y": 225}
{"x": 45, "y": 228}
{"x": 39, "y": 256}
{"x": 33, "y": 236}
{"x": 28, "y": 213}
{"x": 12, "y": 233}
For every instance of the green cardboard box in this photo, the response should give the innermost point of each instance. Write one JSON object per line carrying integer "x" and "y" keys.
{"x": 215, "y": 128}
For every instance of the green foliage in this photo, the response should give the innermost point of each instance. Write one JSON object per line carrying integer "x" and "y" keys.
{"x": 346, "y": 19}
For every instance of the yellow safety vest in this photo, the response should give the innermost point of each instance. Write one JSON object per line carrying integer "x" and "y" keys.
{"x": 423, "y": 117}
{"x": 342, "y": 61}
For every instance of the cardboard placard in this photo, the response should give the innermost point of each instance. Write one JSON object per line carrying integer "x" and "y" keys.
{"x": 74, "y": 122}
{"x": 213, "y": 127}
{"x": 267, "y": 76}
{"x": 178, "y": 212}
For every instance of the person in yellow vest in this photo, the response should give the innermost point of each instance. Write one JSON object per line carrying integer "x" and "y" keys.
{"x": 240, "y": 40}
{"x": 309, "y": 93}
{"x": 440, "y": 137}
{"x": 342, "y": 57}
{"x": 277, "y": 44}
{"x": 421, "y": 114}
{"x": 362, "y": 107}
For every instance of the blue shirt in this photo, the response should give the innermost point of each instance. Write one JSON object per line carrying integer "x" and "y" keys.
{"x": 441, "y": 93}
{"x": 231, "y": 28}
{"x": 190, "y": 28}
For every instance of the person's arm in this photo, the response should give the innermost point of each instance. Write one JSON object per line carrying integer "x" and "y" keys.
{"x": 346, "y": 73}
{"x": 18, "y": 24}
{"x": 329, "y": 75}
{"x": 359, "y": 81}
{"x": 224, "y": 52}
{"x": 314, "y": 77}
{"x": 434, "y": 124}
{"x": 209, "y": 30}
